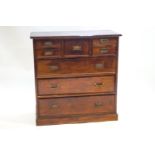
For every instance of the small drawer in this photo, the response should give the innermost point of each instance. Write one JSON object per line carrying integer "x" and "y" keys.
{"x": 105, "y": 64}
{"x": 104, "y": 50}
{"x": 39, "y": 44}
{"x": 105, "y": 42}
{"x": 76, "y": 105}
{"x": 76, "y": 85}
{"x": 47, "y": 52}
{"x": 76, "y": 47}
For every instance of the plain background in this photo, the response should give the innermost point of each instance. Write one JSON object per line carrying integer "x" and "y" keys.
{"x": 134, "y": 133}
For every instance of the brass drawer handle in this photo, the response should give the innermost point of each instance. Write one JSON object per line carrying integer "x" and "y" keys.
{"x": 48, "y": 52}
{"x": 53, "y": 106}
{"x": 48, "y": 43}
{"x": 99, "y": 66}
{"x": 77, "y": 48}
{"x": 103, "y": 50}
{"x": 53, "y": 67}
{"x": 104, "y": 40}
{"x": 54, "y": 85}
{"x": 99, "y": 84}
{"x": 98, "y": 104}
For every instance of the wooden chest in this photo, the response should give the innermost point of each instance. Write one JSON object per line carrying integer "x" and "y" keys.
{"x": 75, "y": 76}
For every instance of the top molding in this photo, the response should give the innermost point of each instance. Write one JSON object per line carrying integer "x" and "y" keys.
{"x": 74, "y": 34}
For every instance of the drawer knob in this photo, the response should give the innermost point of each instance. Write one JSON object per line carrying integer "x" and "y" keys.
{"x": 99, "y": 84}
{"x": 53, "y": 67}
{"x": 77, "y": 48}
{"x": 104, "y": 40}
{"x": 98, "y": 104}
{"x": 48, "y": 52}
{"x": 54, "y": 85}
{"x": 99, "y": 66}
{"x": 48, "y": 43}
{"x": 53, "y": 106}
{"x": 103, "y": 50}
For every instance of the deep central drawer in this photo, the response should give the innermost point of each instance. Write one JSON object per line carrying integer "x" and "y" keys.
{"x": 76, "y": 105}
{"x": 76, "y": 85}
{"x": 76, "y": 65}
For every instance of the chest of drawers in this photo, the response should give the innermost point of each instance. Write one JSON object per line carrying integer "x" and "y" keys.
{"x": 75, "y": 76}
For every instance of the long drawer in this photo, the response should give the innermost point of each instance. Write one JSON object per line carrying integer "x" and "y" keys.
{"x": 76, "y": 65}
{"x": 76, "y": 85}
{"x": 76, "y": 105}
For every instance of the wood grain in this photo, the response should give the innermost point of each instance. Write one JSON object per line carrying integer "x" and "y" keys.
{"x": 76, "y": 85}
{"x": 81, "y": 43}
{"x": 76, "y": 65}
{"x": 77, "y": 119}
{"x": 76, "y": 105}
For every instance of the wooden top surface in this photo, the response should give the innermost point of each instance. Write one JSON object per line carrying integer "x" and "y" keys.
{"x": 73, "y": 34}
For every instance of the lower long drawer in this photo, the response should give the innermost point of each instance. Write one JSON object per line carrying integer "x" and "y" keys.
{"x": 76, "y": 105}
{"x": 76, "y": 85}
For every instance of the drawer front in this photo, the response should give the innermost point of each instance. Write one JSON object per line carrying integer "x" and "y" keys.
{"x": 41, "y": 44}
{"x": 76, "y": 65}
{"x": 76, "y": 85}
{"x": 103, "y": 42}
{"x": 48, "y": 52}
{"x": 104, "y": 45}
{"x": 103, "y": 50}
{"x": 76, "y": 47}
{"x": 76, "y": 105}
